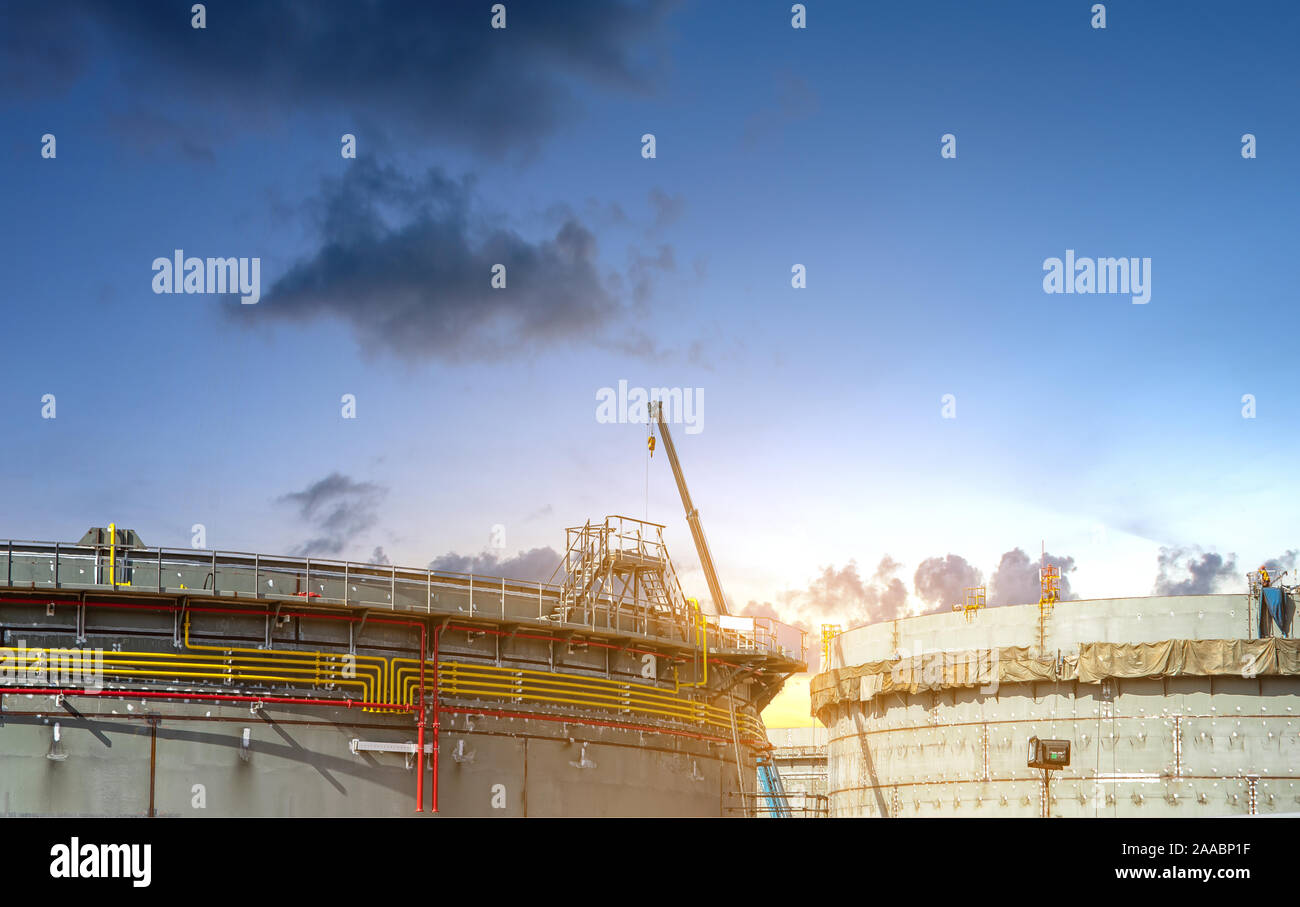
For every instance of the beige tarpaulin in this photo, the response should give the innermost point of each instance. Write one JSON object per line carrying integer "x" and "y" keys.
{"x": 932, "y": 671}
{"x": 1095, "y": 662}
{"x": 1179, "y": 657}
{"x": 1288, "y": 656}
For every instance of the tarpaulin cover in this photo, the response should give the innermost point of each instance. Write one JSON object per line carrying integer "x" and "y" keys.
{"x": 1177, "y": 657}
{"x": 1095, "y": 662}
{"x": 932, "y": 671}
{"x": 1273, "y": 610}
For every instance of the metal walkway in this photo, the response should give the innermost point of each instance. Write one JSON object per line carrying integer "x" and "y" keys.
{"x": 197, "y": 573}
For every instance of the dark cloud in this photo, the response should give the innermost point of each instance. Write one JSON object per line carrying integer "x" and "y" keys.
{"x": 837, "y": 596}
{"x": 379, "y": 557}
{"x": 146, "y": 131}
{"x": 668, "y": 208}
{"x": 941, "y": 581}
{"x": 641, "y": 271}
{"x": 836, "y": 591}
{"x": 1016, "y": 580}
{"x": 422, "y": 287}
{"x": 1285, "y": 562}
{"x": 795, "y": 100}
{"x": 605, "y": 214}
{"x": 340, "y": 511}
{"x": 536, "y": 565}
{"x": 842, "y": 596}
{"x": 1189, "y": 571}
{"x": 759, "y": 609}
{"x": 43, "y": 50}
{"x": 433, "y": 71}
{"x": 812, "y": 653}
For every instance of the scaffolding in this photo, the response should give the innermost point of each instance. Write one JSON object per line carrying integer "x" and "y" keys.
{"x": 758, "y": 805}
{"x": 620, "y": 568}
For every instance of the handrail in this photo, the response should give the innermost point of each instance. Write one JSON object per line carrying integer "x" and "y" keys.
{"x": 58, "y": 565}
{"x": 378, "y": 570}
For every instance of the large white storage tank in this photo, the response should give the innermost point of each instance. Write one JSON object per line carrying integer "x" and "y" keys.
{"x": 1173, "y": 706}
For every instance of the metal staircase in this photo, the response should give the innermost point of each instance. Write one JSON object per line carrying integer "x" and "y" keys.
{"x": 617, "y": 574}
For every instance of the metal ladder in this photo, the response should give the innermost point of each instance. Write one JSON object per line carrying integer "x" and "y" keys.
{"x": 771, "y": 789}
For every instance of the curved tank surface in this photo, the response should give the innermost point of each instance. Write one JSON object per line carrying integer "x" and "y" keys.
{"x": 1173, "y": 706}
{"x": 142, "y": 681}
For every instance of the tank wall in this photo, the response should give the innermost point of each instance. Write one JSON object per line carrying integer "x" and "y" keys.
{"x": 1172, "y": 746}
{"x": 1148, "y": 619}
{"x": 1184, "y": 747}
{"x": 530, "y": 723}
{"x": 300, "y": 764}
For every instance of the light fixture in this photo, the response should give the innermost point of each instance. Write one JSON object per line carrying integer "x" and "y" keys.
{"x": 57, "y": 753}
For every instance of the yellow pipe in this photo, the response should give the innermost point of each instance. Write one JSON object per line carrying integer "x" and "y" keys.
{"x": 149, "y": 661}
{"x": 238, "y": 671}
{"x": 208, "y": 675}
{"x": 703, "y": 639}
{"x": 328, "y": 673}
{"x": 586, "y": 702}
{"x": 460, "y": 678}
{"x": 164, "y": 669}
{"x": 148, "y": 669}
{"x": 556, "y": 677}
{"x": 603, "y": 699}
{"x": 618, "y": 690}
{"x": 262, "y": 654}
{"x": 293, "y": 658}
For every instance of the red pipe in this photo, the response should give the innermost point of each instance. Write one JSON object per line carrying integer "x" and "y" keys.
{"x": 419, "y": 775}
{"x": 496, "y": 713}
{"x": 230, "y": 697}
{"x": 437, "y": 708}
{"x": 419, "y": 748}
{"x": 290, "y": 700}
{"x": 437, "y": 698}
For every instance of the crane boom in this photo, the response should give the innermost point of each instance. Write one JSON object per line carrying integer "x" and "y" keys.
{"x": 692, "y": 515}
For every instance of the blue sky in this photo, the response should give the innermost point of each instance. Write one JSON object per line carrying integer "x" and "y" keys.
{"x": 1110, "y": 430}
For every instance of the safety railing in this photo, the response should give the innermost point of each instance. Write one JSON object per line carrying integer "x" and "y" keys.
{"x": 624, "y": 562}
{"x": 756, "y": 805}
{"x": 757, "y": 635}
{"x": 57, "y": 565}
{"x": 230, "y": 574}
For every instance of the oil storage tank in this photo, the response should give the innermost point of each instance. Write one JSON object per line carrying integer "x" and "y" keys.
{"x": 1172, "y": 705}
{"x": 188, "y": 682}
